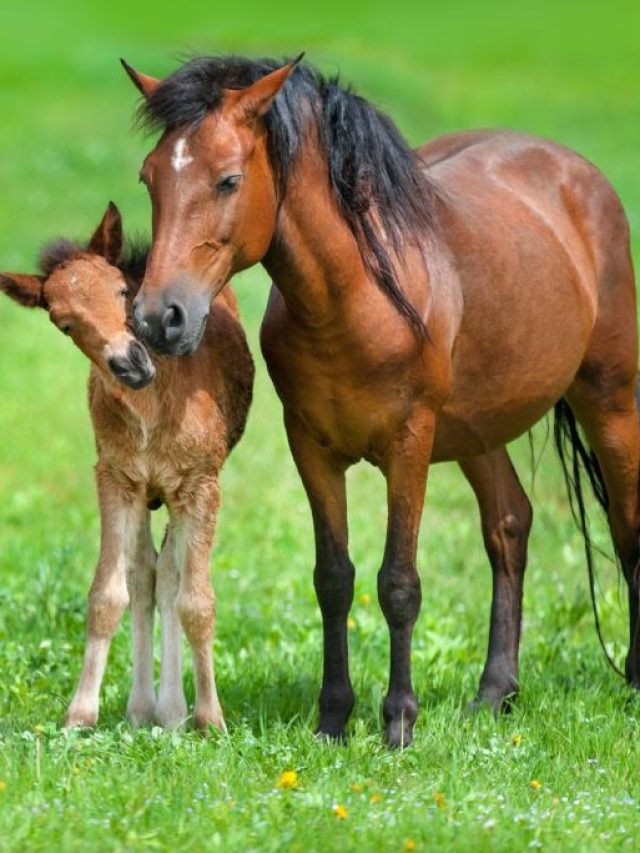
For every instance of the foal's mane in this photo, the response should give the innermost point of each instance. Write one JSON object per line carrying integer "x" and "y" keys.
{"x": 132, "y": 262}
{"x": 375, "y": 176}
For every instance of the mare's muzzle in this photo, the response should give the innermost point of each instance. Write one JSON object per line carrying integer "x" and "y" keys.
{"x": 172, "y": 322}
{"x": 134, "y": 369}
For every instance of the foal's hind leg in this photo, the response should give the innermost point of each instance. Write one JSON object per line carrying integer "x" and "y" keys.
{"x": 609, "y": 417}
{"x": 506, "y": 515}
{"x": 141, "y": 583}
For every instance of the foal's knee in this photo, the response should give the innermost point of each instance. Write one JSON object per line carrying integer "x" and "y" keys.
{"x": 197, "y": 613}
{"x": 399, "y": 593}
{"x": 106, "y": 607}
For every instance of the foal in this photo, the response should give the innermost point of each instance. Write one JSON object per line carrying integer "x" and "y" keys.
{"x": 164, "y": 444}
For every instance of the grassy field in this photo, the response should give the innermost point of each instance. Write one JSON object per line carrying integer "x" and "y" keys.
{"x": 562, "y": 772}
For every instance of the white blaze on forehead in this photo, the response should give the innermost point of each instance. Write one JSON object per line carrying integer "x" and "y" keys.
{"x": 181, "y": 156}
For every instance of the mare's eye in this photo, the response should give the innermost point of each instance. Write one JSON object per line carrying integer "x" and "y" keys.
{"x": 229, "y": 184}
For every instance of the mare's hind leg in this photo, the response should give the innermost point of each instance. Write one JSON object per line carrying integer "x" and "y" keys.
{"x": 505, "y": 514}
{"x": 608, "y": 413}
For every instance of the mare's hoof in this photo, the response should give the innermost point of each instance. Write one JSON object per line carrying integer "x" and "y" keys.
{"x": 331, "y": 734}
{"x": 398, "y": 734}
{"x": 496, "y": 701}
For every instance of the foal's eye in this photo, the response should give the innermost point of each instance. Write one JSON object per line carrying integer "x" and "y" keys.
{"x": 124, "y": 292}
{"x": 65, "y": 328}
{"x": 229, "y": 184}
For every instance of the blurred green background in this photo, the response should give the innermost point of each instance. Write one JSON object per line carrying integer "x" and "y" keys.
{"x": 568, "y": 70}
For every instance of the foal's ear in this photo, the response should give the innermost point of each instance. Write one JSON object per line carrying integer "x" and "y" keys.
{"x": 107, "y": 238}
{"x": 144, "y": 84}
{"x": 254, "y": 101}
{"x": 27, "y": 290}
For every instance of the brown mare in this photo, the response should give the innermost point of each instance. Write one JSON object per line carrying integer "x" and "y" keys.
{"x": 166, "y": 443}
{"x": 426, "y": 306}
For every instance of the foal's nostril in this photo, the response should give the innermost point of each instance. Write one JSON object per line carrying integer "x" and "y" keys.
{"x": 174, "y": 322}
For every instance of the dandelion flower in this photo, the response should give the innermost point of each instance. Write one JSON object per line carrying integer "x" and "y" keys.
{"x": 365, "y": 599}
{"x": 288, "y": 779}
{"x": 440, "y": 800}
{"x": 516, "y": 740}
{"x": 340, "y": 812}
{"x": 356, "y": 788}
{"x": 409, "y": 845}
{"x": 535, "y": 785}
{"x": 351, "y": 623}
{"x": 375, "y": 798}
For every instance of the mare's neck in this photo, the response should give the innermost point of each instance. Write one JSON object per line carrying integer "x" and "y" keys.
{"x": 314, "y": 260}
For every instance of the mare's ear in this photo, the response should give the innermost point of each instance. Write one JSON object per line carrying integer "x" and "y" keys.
{"x": 144, "y": 84}
{"x": 27, "y": 290}
{"x": 107, "y": 238}
{"x": 254, "y": 101}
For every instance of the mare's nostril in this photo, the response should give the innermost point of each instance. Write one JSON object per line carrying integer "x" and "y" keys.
{"x": 174, "y": 322}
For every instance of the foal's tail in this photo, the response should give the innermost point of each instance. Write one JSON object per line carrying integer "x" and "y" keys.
{"x": 576, "y": 458}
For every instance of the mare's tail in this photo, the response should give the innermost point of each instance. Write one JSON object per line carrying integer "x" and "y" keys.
{"x": 578, "y": 459}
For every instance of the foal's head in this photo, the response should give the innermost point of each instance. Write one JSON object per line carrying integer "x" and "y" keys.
{"x": 87, "y": 297}
{"x": 213, "y": 193}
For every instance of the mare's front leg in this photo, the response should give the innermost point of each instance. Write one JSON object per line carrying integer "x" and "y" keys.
{"x": 120, "y": 517}
{"x": 323, "y": 476}
{"x": 193, "y": 527}
{"x": 506, "y": 515}
{"x": 141, "y": 585}
{"x": 405, "y": 468}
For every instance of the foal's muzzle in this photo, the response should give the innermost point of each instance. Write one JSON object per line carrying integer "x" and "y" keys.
{"x": 173, "y": 322}
{"x": 134, "y": 369}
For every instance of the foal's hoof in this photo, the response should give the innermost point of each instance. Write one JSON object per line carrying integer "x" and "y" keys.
{"x": 171, "y": 713}
{"x": 81, "y": 718}
{"x": 141, "y": 711}
{"x": 204, "y": 719}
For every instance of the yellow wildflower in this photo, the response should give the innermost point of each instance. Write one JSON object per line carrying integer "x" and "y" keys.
{"x": 409, "y": 845}
{"x": 516, "y": 740}
{"x": 38, "y": 728}
{"x": 351, "y": 623}
{"x": 288, "y": 779}
{"x": 365, "y": 599}
{"x": 340, "y": 812}
{"x": 535, "y": 785}
{"x": 375, "y": 798}
{"x": 440, "y": 800}
{"x": 356, "y": 788}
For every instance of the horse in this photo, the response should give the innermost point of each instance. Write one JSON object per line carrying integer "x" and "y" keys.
{"x": 427, "y": 305}
{"x": 163, "y": 429}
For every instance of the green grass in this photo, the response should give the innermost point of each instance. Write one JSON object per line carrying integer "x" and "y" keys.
{"x": 566, "y": 70}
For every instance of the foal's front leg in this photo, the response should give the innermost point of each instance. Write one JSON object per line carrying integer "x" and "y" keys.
{"x": 193, "y": 530}
{"x": 108, "y": 597}
{"x": 171, "y": 710}
{"x": 405, "y": 469}
{"x": 323, "y": 476}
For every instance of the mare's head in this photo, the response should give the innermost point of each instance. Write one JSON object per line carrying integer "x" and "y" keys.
{"x": 86, "y": 295}
{"x": 234, "y": 131}
{"x": 213, "y": 192}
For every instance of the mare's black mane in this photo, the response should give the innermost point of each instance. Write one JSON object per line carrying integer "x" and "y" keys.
{"x": 376, "y": 178}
